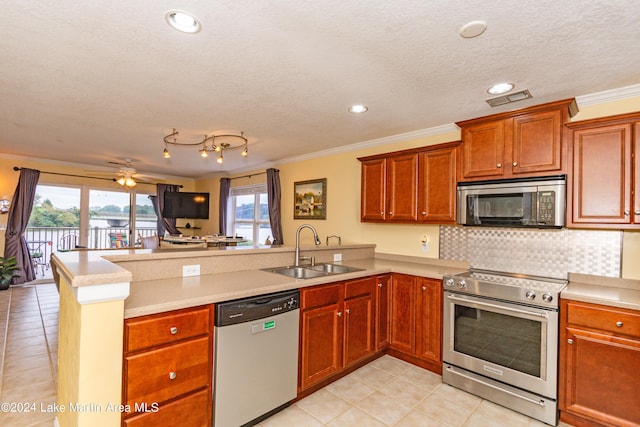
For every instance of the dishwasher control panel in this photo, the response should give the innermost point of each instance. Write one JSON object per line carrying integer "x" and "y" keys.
{"x": 254, "y": 308}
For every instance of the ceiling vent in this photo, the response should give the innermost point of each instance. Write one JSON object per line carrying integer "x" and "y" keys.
{"x": 509, "y": 98}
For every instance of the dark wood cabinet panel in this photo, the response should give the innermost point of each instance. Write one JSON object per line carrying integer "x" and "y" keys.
{"x": 437, "y": 186}
{"x": 358, "y": 328}
{"x": 601, "y": 186}
{"x": 185, "y": 412}
{"x": 537, "y": 143}
{"x": 599, "y": 351}
{"x": 403, "y": 313}
{"x": 402, "y": 188}
{"x": 383, "y": 311}
{"x": 636, "y": 173}
{"x": 429, "y": 315}
{"x": 483, "y": 148}
{"x": 373, "y": 190}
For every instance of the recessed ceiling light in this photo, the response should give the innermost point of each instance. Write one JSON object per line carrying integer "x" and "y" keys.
{"x": 182, "y": 21}
{"x": 358, "y": 109}
{"x": 499, "y": 88}
{"x": 472, "y": 29}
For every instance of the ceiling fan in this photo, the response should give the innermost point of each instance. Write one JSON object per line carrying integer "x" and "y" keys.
{"x": 127, "y": 175}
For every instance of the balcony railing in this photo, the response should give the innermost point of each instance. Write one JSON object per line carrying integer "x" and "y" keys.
{"x": 44, "y": 241}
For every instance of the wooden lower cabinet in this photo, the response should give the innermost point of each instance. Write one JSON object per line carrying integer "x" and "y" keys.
{"x": 383, "y": 311}
{"x": 599, "y": 384}
{"x": 167, "y": 368}
{"x": 416, "y": 320}
{"x": 336, "y": 329}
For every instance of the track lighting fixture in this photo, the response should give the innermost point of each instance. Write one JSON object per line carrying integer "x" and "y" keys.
{"x": 209, "y": 144}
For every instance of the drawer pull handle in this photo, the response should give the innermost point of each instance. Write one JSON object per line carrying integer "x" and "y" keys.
{"x": 570, "y": 341}
{"x": 619, "y": 324}
{"x": 172, "y": 375}
{"x": 173, "y": 330}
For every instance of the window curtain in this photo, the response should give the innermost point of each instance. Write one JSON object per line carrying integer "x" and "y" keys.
{"x": 225, "y": 185}
{"x": 274, "y": 194}
{"x": 159, "y": 221}
{"x": 19, "y": 213}
{"x": 168, "y": 224}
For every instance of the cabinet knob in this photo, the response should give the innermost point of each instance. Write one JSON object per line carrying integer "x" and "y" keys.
{"x": 570, "y": 341}
{"x": 619, "y": 324}
{"x": 637, "y": 212}
{"x": 424, "y": 213}
{"x": 172, "y": 375}
{"x": 173, "y": 330}
{"x": 339, "y": 314}
{"x": 379, "y": 285}
{"x": 515, "y": 164}
{"x": 390, "y": 213}
{"x": 626, "y": 213}
{"x": 499, "y": 165}
{"x": 424, "y": 288}
{"x": 381, "y": 213}
{"x": 347, "y": 311}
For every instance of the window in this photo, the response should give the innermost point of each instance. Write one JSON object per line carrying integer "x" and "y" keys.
{"x": 249, "y": 214}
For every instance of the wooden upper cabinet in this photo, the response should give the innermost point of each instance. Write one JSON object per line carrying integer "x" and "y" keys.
{"x": 373, "y": 189}
{"x": 603, "y": 183}
{"x": 527, "y": 142}
{"x": 402, "y": 188}
{"x": 437, "y": 185}
{"x": 410, "y": 186}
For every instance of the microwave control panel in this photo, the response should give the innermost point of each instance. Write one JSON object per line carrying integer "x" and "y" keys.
{"x": 546, "y": 206}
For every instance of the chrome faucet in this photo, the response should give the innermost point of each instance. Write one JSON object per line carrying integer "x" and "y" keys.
{"x": 315, "y": 236}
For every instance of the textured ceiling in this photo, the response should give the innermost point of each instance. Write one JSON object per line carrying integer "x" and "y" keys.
{"x": 98, "y": 81}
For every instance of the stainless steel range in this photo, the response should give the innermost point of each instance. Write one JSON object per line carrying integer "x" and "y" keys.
{"x": 500, "y": 339}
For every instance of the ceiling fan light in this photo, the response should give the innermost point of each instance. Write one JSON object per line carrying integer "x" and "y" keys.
{"x": 129, "y": 182}
{"x": 121, "y": 181}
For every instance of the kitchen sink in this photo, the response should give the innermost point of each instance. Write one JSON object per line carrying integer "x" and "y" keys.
{"x": 308, "y": 271}
{"x": 334, "y": 268}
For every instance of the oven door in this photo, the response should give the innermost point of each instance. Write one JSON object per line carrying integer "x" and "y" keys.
{"x": 511, "y": 343}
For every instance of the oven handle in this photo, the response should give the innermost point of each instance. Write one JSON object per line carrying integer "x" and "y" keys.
{"x": 535, "y": 402}
{"x": 499, "y": 307}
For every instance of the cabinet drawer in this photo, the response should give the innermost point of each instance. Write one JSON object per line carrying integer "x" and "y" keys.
{"x": 359, "y": 287}
{"x": 616, "y": 320}
{"x": 157, "y": 329}
{"x": 190, "y": 411}
{"x": 148, "y": 375}
{"x": 319, "y": 296}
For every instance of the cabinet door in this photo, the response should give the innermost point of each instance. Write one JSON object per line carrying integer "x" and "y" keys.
{"x": 373, "y": 196}
{"x": 437, "y": 186}
{"x": 483, "y": 149}
{"x": 429, "y": 320}
{"x": 602, "y": 380}
{"x": 602, "y": 175}
{"x": 403, "y": 313}
{"x": 320, "y": 343}
{"x": 358, "y": 328}
{"x": 383, "y": 305}
{"x": 636, "y": 185}
{"x": 402, "y": 188}
{"x": 537, "y": 142}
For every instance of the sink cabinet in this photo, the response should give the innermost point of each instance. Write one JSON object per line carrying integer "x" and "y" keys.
{"x": 416, "y": 320}
{"x": 167, "y": 368}
{"x": 599, "y": 363}
{"x": 527, "y": 142}
{"x": 410, "y": 186}
{"x": 605, "y": 180}
{"x": 337, "y": 325}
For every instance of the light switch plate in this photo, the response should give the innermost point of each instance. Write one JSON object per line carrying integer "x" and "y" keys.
{"x": 190, "y": 270}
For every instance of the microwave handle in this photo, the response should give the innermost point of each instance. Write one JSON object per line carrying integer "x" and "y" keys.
{"x": 502, "y": 190}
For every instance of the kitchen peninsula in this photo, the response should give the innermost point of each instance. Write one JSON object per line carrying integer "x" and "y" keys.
{"x": 100, "y": 289}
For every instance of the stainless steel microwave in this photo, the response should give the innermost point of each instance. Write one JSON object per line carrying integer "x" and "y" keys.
{"x": 538, "y": 202}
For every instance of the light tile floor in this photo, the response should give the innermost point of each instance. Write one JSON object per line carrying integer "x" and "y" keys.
{"x": 386, "y": 392}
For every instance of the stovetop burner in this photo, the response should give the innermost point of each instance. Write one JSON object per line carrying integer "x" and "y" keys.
{"x": 532, "y": 290}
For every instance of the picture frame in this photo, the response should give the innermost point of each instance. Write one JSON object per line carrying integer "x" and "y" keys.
{"x": 310, "y": 199}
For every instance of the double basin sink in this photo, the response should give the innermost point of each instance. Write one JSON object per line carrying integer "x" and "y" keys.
{"x": 311, "y": 271}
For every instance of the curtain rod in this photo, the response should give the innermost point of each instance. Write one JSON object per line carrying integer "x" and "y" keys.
{"x": 253, "y": 174}
{"x": 16, "y": 168}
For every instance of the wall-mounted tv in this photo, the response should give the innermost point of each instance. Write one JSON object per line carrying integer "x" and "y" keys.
{"x": 186, "y": 205}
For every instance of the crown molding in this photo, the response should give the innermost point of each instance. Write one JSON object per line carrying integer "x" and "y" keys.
{"x": 605, "y": 96}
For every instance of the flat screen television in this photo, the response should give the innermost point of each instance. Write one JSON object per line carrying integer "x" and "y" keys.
{"x": 186, "y": 205}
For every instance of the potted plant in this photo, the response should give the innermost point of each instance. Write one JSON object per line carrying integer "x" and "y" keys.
{"x": 8, "y": 267}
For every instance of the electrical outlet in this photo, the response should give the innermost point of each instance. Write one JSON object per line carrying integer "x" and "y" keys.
{"x": 190, "y": 270}
{"x": 337, "y": 257}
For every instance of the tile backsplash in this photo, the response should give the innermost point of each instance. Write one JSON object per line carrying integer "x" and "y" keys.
{"x": 549, "y": 253}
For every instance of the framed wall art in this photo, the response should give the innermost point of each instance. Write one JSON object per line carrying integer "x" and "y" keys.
{"x": 310, "y": 199}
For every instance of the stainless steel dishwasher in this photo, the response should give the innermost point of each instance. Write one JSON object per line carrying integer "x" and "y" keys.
{"x": 256, "y": 357}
